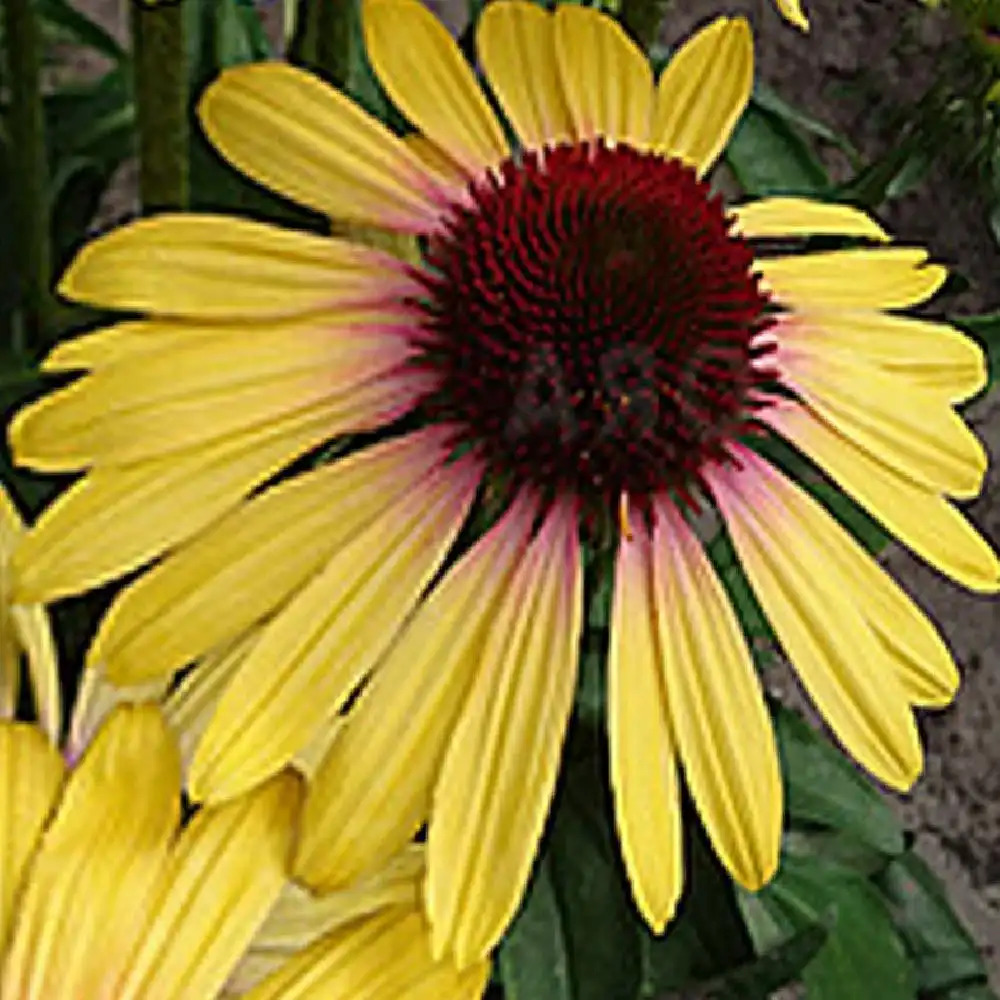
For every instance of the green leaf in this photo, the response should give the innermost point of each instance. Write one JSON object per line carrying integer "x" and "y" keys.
{"x": 708, "y": 939}
{"x": 942, "y": 953}
{"x": 577, "y": 935}
{"x": 772, "y": 969}
{"x": 863, "y": 956}
{"x": 238, "y": 34}
{"x": 600, "y": 922}
{"x": 823, "y": 787}
{"x": 986, "y": 329}
{"x": 769, "y": 156}
{"x": 768, "y": 100}
{"x": 748, "y": 610}
{"x": 533, "y": 962}
{"x": 80, "y": 28}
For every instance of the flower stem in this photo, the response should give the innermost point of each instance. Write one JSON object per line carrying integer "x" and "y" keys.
{"x": 29, "y": 166}
{"x": 161, "y": 92}
{"x": 642, "y": 19}
{"x": 322, "y": 39}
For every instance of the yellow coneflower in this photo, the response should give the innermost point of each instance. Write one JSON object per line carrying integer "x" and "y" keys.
{"x": 25, "y": 636}
{"x": 591, "y": 334}
{"x": 107, "y": 895}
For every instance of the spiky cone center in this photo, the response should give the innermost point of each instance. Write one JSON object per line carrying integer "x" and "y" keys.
{"x": 591, "y": 322}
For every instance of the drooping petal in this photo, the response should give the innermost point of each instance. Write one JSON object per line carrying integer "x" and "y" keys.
{"x": 373, "y": 790}
{"x": 223, "y": 875}
{"x": 116, "y": 518}
{"x": 179, "y": 398}
{"x": 89, "y": 885}
{"x": 496, "y": 783}
{"x": 703, "y": 91}
{"x": 786, "y": 216}
{"x": 516, "y": 44}
{"x": 33, "y": 631}
{"x": 406, "y": 42}
{"x": 606, "y": 79}
{"x": 191, "y": 704}
{"x": 791, "y": 11}
{"x": 931, "y": 355}
{"x": 24, "y": 629}
{"x": 880, "y": 278}
{"x": 264, "y": 551}
{"x": 784, "y": 540}
{"x": 313, "y": 654}
{"x": 717, "y": 710}
{"x": 914, "y": 431}
{"x": 96, "y": 698}
{"x": 31, "y": 773}
{"x": 298, "y": 917}
{"x": 642, "y": 748}
{"x": 921, "y": 519}
{"x": 382, "y": 957}
{"x": 227, "y": 267}
{"x": 291, "y": 132}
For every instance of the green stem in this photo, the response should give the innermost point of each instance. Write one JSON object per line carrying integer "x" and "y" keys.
{"x": 323, "y": 40}
{"x": 161, "y": 93}
{"x": 642, "y": 19}
{"x": 29, "y": 166}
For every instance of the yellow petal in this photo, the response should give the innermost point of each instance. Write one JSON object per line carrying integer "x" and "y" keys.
{"x": 71, "y": 429}
{"x": 791, "y": 11}
{"x": 225, "y": 267}
{"x": 703, "y": 91}
{"x": 10, "y": 665}
{"x": 784, "y": 540}
{"x": 224, "y": 874}
{"x": 373, "y": 790}
{"x": 641, "y": 742}
{"x": 106, "y": 345}
{"x": 786, "y": 216}
{"x": 516, "y": 44}
{"x": 606, "y": 79}
{"x": 291, "y": 132}
{"x": 298, "y": 918}
{"x": 313, "y": 654}
{"x": 177, "y": 398}
{"x": 496, "y": 783}
{"x": 264, "y": 551}
{"x": 34, "y": 633}
{"x": 96, "y": 698}
{"x": 922, "y": 520}
{"x": 89, "y": 886}
{"x": 909, "y": 428}
{"x": 436, "y": 159}
{"x": 382, "y": 957}
{"x": 721, "y": 724}
{"x": 115, "y": 519}
{"x": 405, "y": 42}
{"x": 191, "y": 704}
{"x": 883, "y": 278}
{"x": 929, "y": 354}
{"x": 32, "y": 774}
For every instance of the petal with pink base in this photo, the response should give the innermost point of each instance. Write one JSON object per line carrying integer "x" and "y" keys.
{"x": 498, "y": 776}
{"x": 786, "y": 543}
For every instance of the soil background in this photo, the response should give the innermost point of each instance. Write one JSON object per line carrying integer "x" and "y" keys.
{"x": 863, "y": 60}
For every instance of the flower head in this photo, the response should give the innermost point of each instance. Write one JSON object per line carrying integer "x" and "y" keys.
{"x": 108, "y": 895}
{"x": 589, "y": 341}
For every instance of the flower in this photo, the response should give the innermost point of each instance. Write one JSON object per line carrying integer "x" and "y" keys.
{"x": 25, "y": 634}
{"x": 590, "y": 343}
{"x": 108, "y": 895}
